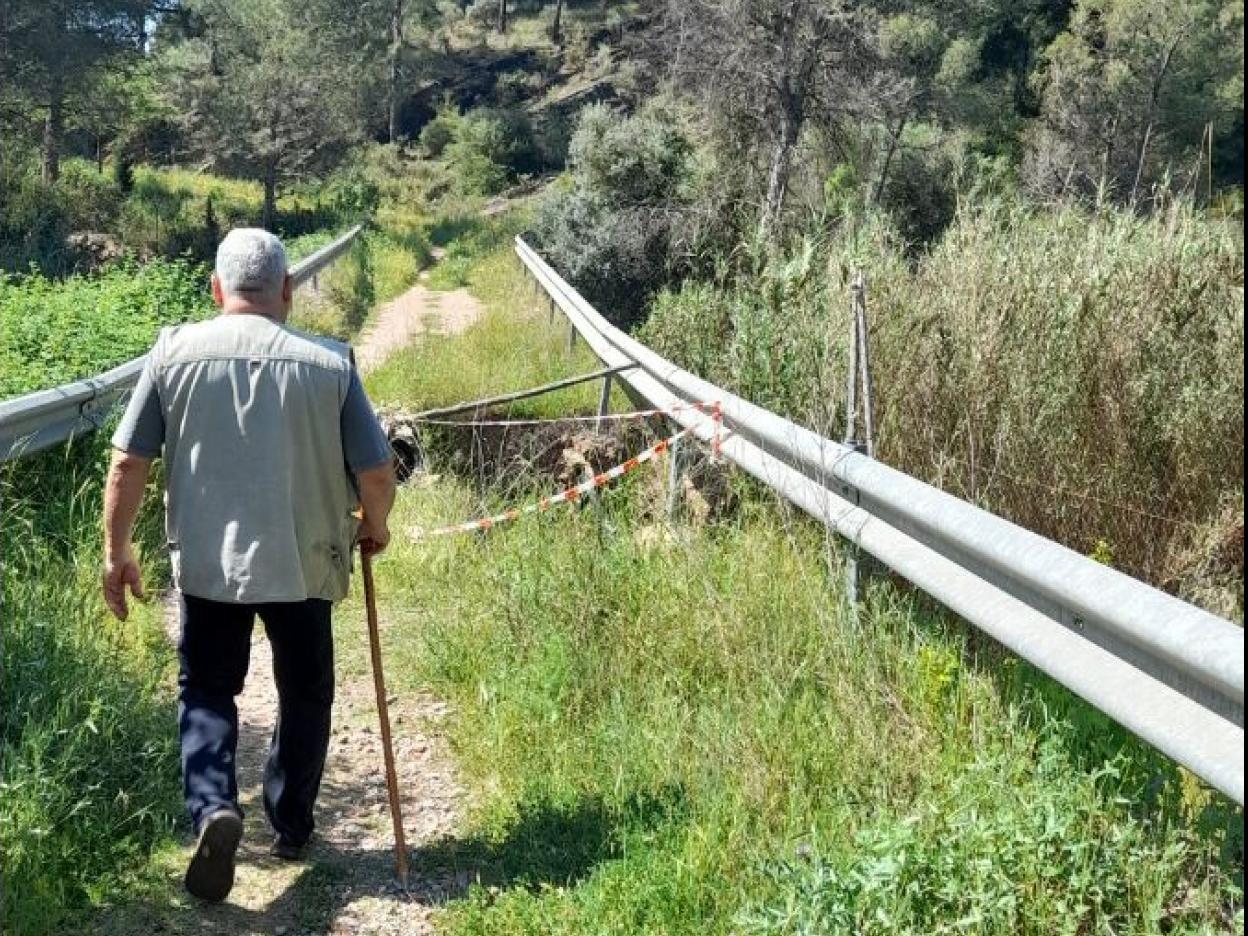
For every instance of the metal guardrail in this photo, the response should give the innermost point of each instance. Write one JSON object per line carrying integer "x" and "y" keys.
{"x": 45, "y": 418}
{"x": 1166, "y": 670}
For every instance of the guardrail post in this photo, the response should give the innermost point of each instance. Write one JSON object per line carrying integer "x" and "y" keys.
{"x": 857, "y": 564}
{"x": 676, "y": 456}
{"x": 604, "y": 403}
{"x": 571, "y": 337}
{"x": 550, "y": 313}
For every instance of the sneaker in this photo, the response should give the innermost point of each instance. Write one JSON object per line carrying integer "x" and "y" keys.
{"x": 210, "y": 875}
{"x": 287, "y": 850}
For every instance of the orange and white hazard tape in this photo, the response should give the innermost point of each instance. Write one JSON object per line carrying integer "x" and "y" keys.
{"x": 571, "y": 495}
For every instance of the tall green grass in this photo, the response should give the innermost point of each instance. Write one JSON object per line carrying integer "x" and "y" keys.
{"x": 690, "y": 730}
{"x": 379, "y": 266}
{"x": 88, "y": 757}
{"x": 1078, "y": 373}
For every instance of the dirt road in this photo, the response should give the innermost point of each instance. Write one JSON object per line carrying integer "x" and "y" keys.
{"x": 346, "y": 885}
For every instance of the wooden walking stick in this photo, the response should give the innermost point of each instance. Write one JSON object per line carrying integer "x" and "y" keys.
{"x": 383, "y": 713}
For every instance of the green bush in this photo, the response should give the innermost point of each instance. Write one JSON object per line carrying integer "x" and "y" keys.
{"x": 54, "y": 332}
{"x": 612, "y": 230}
{"x": 491, "y": 147}
{"x": 439, "y": 133}
{"x": 92, "y": 197}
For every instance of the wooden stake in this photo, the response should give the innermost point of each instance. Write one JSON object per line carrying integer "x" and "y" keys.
{"x": 383, "y": 713}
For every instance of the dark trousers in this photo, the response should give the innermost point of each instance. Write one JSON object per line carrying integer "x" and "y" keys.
{"x": 213, "y": 655}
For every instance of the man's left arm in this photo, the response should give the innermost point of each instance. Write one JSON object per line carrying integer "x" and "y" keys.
{"x": 123, "y": 495}
{"x": 136, "y": 443}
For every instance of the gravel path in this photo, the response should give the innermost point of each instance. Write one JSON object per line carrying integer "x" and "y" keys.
{"x": 346, "y": 885}
{"x": 419, "y": 311}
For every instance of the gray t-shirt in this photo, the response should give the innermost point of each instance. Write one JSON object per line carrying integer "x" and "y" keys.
{"x": 261, "y": 428}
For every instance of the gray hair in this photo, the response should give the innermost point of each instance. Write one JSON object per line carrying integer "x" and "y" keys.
{"x": 251, "y": 261}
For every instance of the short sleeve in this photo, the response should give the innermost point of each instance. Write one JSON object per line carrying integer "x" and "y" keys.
{"x": 363, "y": 442}
{"x": 142, "y": 428}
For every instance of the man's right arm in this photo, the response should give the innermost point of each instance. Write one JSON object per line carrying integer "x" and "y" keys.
{"x": 371, "y": 460}
{"x": 377, "y": 489}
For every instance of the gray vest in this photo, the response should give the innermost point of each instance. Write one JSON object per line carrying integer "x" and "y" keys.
{"x": 259, "y": 501}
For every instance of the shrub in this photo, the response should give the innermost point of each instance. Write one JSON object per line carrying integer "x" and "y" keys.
{"x": 612, "y": 230}
{"x": 920, "y": 196}
{"x": 92, "y": 198}
{"x": 639, "y": 160}
{"x": 35, "y": 220}
{"x": 440, "y": 132}
{"x": 491, "y": 147}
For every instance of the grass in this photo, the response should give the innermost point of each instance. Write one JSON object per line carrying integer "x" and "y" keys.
{"x": 690, "y": 731}
{"x": 1080, "y": 374}
{"x": 88, "y": 758}
{"x": 502, "y": 355}
{"x": 380, "y": 265}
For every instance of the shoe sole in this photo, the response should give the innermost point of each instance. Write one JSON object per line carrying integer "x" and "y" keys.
{"x": 210, "y": 875}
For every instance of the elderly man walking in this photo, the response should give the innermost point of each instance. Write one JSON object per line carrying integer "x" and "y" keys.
{"x": 270, "y": 447}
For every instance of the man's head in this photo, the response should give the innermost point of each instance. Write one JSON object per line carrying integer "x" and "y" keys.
{"x": 251, "y": 274}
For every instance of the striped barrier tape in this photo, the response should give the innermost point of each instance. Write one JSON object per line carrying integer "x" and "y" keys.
{"x": 571, "y": 495}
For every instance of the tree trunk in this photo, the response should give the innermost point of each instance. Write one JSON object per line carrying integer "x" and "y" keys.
{"x": 1154, "y": 96}
{"x": 53, "y": 128}
{"x": 396, "y": 48}
{"x": 893, "y": 139}
{"x": 502, "y": 16}
{"x": 556, "y": 25}
{"x": 269, "y": 218}
{"x": 781, "y": 164}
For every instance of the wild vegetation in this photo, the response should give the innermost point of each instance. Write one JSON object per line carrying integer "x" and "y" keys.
{"x": 88, "y": 767}
{"x": 688, "y": 730}
{"x": 670, "y": 730}
{"x": 1078, "y": 373}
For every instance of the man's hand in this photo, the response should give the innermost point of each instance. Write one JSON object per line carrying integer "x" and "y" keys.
{"x": 374, "y": 538}
{"x": 376, "y": 498}
{"x": 122, "y": 571}
{"x": 123, "y": 493}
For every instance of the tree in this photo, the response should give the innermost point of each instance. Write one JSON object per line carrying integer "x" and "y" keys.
{"x": 56, "y": 52}
{"x": 265, "y": 92}
{"x": 388, "y": 41}
{"x": 1130, "y": 91}
{"x": 556, "y": 24}
{"x": 765, "y": 68}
